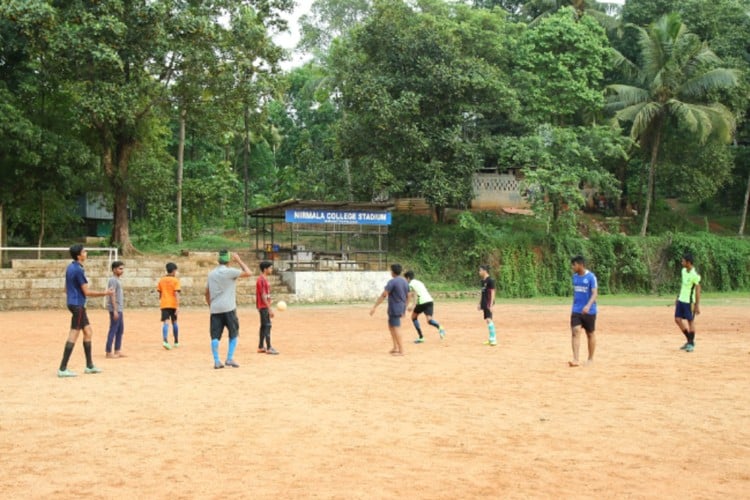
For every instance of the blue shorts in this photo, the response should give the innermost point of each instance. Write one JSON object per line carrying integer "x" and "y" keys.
{"x": 684, "y": 310}
{"x": 394, "y": 320}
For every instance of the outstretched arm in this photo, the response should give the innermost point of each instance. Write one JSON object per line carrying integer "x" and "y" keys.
{"x": 380, "y": 300}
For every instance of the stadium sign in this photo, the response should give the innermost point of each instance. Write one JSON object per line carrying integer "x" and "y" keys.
{"x": 338, "y": 217}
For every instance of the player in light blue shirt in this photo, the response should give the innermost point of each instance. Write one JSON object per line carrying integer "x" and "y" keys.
{"x": 583, "y": 315}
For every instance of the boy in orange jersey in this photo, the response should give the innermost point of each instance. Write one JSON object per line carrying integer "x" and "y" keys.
{"x": 169, "y": 302}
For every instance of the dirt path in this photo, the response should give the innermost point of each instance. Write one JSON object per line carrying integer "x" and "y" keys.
{"x": 334, "y": 416}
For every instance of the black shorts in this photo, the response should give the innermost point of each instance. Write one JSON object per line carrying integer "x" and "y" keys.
{"x": 169, "y": 313}
{"x": 487, "y": 313}
{"x": 79, "y": 319}
{"x": 587, "y": 321}
{"x": 428, "y": 308}
{"x": 228, "y": 320}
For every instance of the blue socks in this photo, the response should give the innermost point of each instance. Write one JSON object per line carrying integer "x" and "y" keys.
{"x": 434, "y": 323}
{"x": 232, "y": 347}
{"x": 215, "y": 350}
{"x": 491, "y": 327}
{"x": 164, "y": 331}
{"x": 175, "y": 332}
{"x": 419, "y": 328}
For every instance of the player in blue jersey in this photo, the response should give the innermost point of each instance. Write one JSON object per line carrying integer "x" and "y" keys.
{"x": 77, "y": 293}
{"x": 585, "y": 292}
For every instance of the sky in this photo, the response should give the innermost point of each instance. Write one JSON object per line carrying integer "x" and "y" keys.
{"x": 289, "y": 39}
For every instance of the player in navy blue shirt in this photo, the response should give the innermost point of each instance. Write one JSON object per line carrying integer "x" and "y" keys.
{"x": 397, "y": 291}
{"x": 585, "y": 292}
{"x": 77, "y": 291}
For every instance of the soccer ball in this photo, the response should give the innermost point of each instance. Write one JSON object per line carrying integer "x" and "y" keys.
{"x": 281, "y": 305}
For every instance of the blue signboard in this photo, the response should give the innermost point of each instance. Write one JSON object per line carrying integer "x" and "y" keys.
{"x": 306, "y": 216}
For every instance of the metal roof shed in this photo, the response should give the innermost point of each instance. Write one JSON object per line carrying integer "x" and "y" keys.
{"x": 315, "y": 235}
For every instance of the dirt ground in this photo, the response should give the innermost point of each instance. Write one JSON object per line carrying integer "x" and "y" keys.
{"x": 335, "y": 416}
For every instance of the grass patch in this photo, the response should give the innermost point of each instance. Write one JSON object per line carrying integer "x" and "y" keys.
{"x": 727, "y": 299}
{"x": 203, "y": 243}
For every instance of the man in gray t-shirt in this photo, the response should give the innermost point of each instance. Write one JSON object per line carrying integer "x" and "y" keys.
{"x": 115, "y": 303}
{"x": 221, "y": 296}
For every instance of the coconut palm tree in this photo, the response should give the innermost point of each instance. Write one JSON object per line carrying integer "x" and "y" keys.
{"x": 673, "y": 85}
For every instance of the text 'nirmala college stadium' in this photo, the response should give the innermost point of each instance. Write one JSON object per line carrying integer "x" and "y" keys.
{"x": 338, "y": 217}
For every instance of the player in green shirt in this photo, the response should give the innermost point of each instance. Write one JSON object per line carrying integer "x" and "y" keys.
{"x": 421, "y": 301}
{"x": 687, "y": 304}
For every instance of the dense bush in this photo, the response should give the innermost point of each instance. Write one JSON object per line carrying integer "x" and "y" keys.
{"x": 527, "y": 262}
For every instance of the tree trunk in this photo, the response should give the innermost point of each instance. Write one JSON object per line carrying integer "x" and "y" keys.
{"x": 42, "y": 217}
{"x": 245, "y": 164}
{"x": 744, "y": 208}
{"x": 348, "y": 172}
{"x": 180, "y": 167}
{"x": 440, "y": 215}
{"x": 651, "y": 176}
{"x": 3, "y": 235}
{"x": 115, "y": 161}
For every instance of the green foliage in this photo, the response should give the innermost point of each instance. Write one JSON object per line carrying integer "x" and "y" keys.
{"x": 417, "y": 124}
{"x": 561, "y": 162}
{"x": 562, "y": 61}
{"x": 308, "y": 157}
{"x": 529, "y": 263}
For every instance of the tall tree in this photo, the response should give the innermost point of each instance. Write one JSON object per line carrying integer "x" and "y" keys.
{"x": 308, "y": 117}
{"x": 43, "y": 162}
{"x": 254, "y": 59}
{"x": 196, "y": 81}
{"x": 118, "y": 61}
{"x": 419, "y": 88}
{"x": 676, "y": 75}
{"x": 562, "y": 62}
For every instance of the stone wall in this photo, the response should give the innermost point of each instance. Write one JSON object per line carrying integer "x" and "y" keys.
{"x": 335, "y": 286}
{"x": 40, "y": 283}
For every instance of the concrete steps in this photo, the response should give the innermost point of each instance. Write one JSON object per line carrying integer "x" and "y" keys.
{"x": 40, "y": 283}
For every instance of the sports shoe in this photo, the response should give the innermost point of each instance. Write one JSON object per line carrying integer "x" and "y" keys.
{"x": 65, "y": 373}
{"x": 217, "y": 366}
{"x": 262, "y": 350}
{"x": 271, "y": 350}
{"x": 684, "y": 346}
{"x": 689, "y": 348}
{"x": 166, "y": 345}
{"x": 490, "y": 342}
{"x": 232, "y": 363}
{"x": 441, "y": 332}
{"x": 419, "y": 340}
{"x": 176, "y": 345}
{"x": 93, "y": 369}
